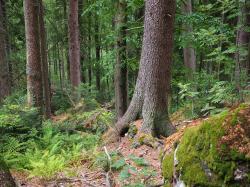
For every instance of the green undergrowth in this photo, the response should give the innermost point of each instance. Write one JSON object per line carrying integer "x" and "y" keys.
{"x": 132, "y": 170}
{"x": 203, "y": 159}
{"x": 95, "y": 121}
{"x": 45, "y": 148}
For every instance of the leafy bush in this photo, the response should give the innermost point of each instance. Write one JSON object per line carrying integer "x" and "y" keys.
{"x": 18, "y": 121}
{"x": 60, "y": 102}
{"x": 205, "y": 97}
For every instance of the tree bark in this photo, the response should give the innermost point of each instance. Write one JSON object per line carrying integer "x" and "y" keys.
{"x": 242, "y": 41}
{"x": 89, "y": 53}
{"x": 44, "y": 63}
{"x": 4, "y": 69}
{"x": 98, "y": 55}
{"x": 74, "y": 47}
{"x": 6, "y": 179}
{"x": 121, "y": 71}
{"x": 82, "y": 40}
{"x": 188, "y": 51}
{"x": 153, "y": 82}
{"x": 34, "y": 74}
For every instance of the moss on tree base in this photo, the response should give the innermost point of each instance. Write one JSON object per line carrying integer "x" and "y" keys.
{"x": 215, "y": 153}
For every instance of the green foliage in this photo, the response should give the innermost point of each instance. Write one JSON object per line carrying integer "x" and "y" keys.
{"x": 206, "y": 97}
{"x": 222, "y": 92}
{"x": 18, "y": 120}
{"x": 138, "y": 161}
{"x": 60, "y": 101}
{"x": 40, "y": 148}
{"x": 98, "y": 120}
{"x": 49, "y": 152}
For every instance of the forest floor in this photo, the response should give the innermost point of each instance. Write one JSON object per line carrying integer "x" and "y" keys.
{"x": 83, "y": 176}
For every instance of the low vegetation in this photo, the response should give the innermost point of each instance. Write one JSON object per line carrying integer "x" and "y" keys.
{"x": 217, "y": 152}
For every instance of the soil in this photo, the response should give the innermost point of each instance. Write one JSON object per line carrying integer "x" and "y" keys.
{"x": 85, "y": 177}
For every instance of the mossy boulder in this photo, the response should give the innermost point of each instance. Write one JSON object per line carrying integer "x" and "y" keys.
{"x": 215, "y": 153}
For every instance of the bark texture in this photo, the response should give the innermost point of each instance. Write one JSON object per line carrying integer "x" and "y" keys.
{"x": 44, "y": 62}
{"x": 97, "y": 54}
{"x": 242, "y": 42}
{"x": 188, "y": 50}
{"x": 153, "y": 82}
{"x": 6, "y": 179}
{"x": 4, "y": 69}
{"x": 33, "y": 68}
{"x": 74, "y": 46}
{"x": 121, "y": 71}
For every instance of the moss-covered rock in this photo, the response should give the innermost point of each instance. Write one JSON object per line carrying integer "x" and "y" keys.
{"x": 214, "y": 153}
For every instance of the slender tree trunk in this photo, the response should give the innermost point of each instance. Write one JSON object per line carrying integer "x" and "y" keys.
{"x": 65, "y": 28}
{"x": 44, "y": 63}
{"x": 89, "y": 53}
{"x": 6, "y": 179}
{"x": 121, "y": 71}
{"x": 188, "y": 51}
{"x": 98, "y": 55}
{"x": 60, "y": 61}
{"x": 74, "y": 47}
{"x": 4, "y": 69}
{"x": 63, "y": 66}
{"x": 34, "y": 74}
{"x": 242, "y": 41}
{"x": 153, "y": 81}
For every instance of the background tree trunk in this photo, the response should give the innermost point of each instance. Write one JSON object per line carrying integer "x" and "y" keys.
{"x": 121, "y": 71}
{"x": 44, "y": 62}
{"x": 153, "y": 82}
{"x": 34, "y": 74}
{"x": 242, "y": 41}
{"x": 98, "y": 54}
{"x": 6, "y": 179}
{"x": 188, "y": 51}
{"x": 74, "y": 46}
{"x": 4, "y": 69}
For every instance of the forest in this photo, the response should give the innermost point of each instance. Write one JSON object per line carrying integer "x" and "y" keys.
{"x": 124, "y": 93}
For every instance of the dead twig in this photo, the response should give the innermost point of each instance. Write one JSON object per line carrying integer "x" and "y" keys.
{"x": 109, "y": 182}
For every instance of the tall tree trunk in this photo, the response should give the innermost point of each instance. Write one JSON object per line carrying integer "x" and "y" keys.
{"x": 98, "y": 55}
{"x": 34, "y": 74}
{"x": 153, "y": 82}
{"x": 44, "y": 62}
{"x": 121, "y": 72}
{"x": 89, "y": 52}
{"x": 4, "y": 69}
{"x": 188, "y": 51}
{"x": 82, "y": 40}
{"x": 242, "y": 41}
{"x": 6, "y": 179}
{"x": 74, "y": 47}
{"x": 65, "y": 28}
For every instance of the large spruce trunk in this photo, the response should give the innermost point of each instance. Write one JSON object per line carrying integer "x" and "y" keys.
{"x": 6, "y": 179}
{"x": 4, "y": 69}
{"x": 33, "y": 68}
{"x": 121, "y": 71}
{"x": 153, "y": 82}
{"x": 74, "y": 47}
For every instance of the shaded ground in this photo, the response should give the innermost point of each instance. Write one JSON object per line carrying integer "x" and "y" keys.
{"x": 82, "y": 176}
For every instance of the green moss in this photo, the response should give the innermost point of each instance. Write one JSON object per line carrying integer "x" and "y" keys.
{"x": 167, "y": 166}
{"x": 200, "y": 148}
{"x": 235, "y": 117}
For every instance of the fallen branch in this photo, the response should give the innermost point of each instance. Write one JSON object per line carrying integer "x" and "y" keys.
{"x": 109, "y": 182}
